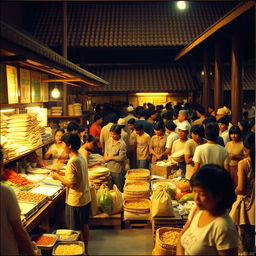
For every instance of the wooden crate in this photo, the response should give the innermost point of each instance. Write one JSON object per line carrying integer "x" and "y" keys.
{"x": 105, "y": 220}
{"x": 160, "y": 222}
{"x": 137, "y": 224}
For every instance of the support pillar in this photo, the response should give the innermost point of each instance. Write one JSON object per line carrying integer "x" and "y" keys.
{"x": 236, "y": 80}
{"x": 65, "y": 54}
{"x": 218, "y": 86}
{"x": 206, "y": 85}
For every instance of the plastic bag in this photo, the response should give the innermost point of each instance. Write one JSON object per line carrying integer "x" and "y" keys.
{"x": 117, "y": 200}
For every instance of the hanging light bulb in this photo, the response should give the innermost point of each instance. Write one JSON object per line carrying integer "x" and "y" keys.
{"x": 55, "y": 93}
{"x": 182, "y": 5}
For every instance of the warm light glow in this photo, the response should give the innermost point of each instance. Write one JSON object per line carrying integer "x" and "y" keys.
{"x": 152, "y": 93}
{"x": 55, "y": 93}
{"x": 7, "y": 110}
{"x": 33, "y": 107}
{"x": 182, "y": 5}
{"x": 202, "y": 73}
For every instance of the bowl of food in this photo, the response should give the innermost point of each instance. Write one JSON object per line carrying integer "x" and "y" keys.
{"x": 69, "y": 248}
{"x": 44, "y": 241}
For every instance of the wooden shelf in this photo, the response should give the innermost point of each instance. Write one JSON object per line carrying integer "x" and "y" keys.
{"x": 27, "y": 153}
{"x": 65, "y": 117}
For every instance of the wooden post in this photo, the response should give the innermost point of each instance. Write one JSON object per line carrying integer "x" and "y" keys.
{"x": 236, "y": 85}
{"x": 218, "y": 87}
{"x": 65, "y": 53}
{"x": 206, "y": 85}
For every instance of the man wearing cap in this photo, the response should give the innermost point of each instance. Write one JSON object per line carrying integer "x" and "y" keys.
{"x": 183, "y": 119}
{"x": 129, "y": 116}
{"x": 179, "y": 144}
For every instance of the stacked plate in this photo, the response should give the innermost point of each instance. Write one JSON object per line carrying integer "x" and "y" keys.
{"x": 56, "y": 111}
{"x": 70, "y": 110}
{"x": 99, "y": 176}
{"x": 77, "y": 109}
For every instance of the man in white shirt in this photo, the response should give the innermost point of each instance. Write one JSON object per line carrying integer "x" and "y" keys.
{"x": 223, "y": 125}
{"x": 211, "y": 152}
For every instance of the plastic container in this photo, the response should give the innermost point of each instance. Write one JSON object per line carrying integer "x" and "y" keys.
{"x": 41, "y": 246}
{"x": 67, "y": 252}
{"x": 67, "y": 237}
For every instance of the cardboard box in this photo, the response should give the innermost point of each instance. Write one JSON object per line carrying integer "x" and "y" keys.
{"x": 163, "y": 171}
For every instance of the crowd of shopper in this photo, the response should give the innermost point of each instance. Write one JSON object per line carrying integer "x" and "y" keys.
{"x": 215, "y": 155}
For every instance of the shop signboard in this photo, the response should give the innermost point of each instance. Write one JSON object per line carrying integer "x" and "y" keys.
{"x": 12, "y": 84}
{"x": 3, "y": 86}
{"x": 24, "y": 86}
{"x": 35, "y": 86}
{"x": 44, "y": 88}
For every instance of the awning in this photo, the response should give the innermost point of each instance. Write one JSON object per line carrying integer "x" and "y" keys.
{"x": 20, "y": 49}
{"x": 144, "y": 78}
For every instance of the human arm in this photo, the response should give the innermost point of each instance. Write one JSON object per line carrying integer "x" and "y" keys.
{"x": 22, "y": 236}
{"x": 236, "y": 157}
{"x": 121, "y": 156}
{"x": 196, "y": 167}
{"x": 50, "y": 152}
{"x": 62, "y": 179}
{"x": 241, "y": 178}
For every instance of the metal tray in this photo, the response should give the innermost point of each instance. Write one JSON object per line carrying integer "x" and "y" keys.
{"x": 68, "y": 243}
{"x": 50, "y": 191}
{"x": 27, "y": 214}
{"x": 68, "y": 238}
{"x": 45, "y": 247}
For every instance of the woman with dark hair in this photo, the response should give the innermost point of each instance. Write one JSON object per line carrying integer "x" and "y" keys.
{"x": 158, "y": 142}
{"x": 243, "y": 210}
{"x": 197, "y": 134}
{"x": 95, "y": 130}
{"x": 209, "y": 229}
{"x": 82, "y": 131}
{"x": 76, "y": 180}
{"x": 56, "y": 150}
{"x": 115, "y": 156}
{"x": 235, "y": 151}
{"x": 88, "y": 147}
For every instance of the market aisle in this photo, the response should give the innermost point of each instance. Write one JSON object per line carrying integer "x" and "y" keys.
{"x": 121, "y": 242}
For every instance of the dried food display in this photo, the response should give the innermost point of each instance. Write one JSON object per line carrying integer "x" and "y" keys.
{"x": 30, "y": 197}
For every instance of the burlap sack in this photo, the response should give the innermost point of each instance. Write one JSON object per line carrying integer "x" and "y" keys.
{"x": 117, "y": 200}
{"x": 161, "y": 204}
{"x": 94, "y": 204}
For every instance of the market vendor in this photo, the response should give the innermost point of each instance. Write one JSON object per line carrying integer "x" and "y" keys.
{"x": 76, "y": 180}
{"x": 209, "y": 229}
{"x": 115, "y": 156}
{"x": 13, "y": 233}
{"x": 56, "y": 150}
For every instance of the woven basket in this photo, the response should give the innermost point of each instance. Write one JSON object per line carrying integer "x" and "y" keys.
{"x": 139, "y": 195}
{"x": 143, "y": 184}
{"x": 131, "y": 174}
{"x": 136, "y": 210}
{"x": 162, "y": 248}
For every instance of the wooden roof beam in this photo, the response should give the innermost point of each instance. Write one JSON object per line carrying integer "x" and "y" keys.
{"x": 229, "y": 17}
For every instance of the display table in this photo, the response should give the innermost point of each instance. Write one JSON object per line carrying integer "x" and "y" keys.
{"x": 43, "y": 214}
{"x": 104, "y": 219}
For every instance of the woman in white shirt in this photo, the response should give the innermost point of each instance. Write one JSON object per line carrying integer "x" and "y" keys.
{"x": 56, "y": 150}
{"x": 210, "y": 230}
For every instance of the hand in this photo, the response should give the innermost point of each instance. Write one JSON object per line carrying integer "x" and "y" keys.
{"x": 55, "y": 175}
{"x": 107, "y": 158}
{"x": 158, "y": 156}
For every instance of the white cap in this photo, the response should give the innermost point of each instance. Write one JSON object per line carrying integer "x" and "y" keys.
{"x": 130, "y": 109}
{"x": 121, "y": 121}
{"x": 183, "y": 126}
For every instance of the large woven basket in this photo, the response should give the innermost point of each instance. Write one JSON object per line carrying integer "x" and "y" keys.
{"x": 162, "y": 248}
{"x": 139, "y": 195}
{"x": 141, "y": 186}
{"x": 138, "y": 174}
{"x": 139, "y": 202}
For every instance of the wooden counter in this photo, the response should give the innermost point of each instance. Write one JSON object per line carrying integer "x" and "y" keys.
{"x": 43, "y": 214}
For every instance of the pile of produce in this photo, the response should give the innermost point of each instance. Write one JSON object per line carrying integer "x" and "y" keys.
{"x": 16, "y": 186}
{"x": 69, "y": 249}
{"x": 104, "y": 199}
{"x": 183, "y": 188}
{"x": 45, "y": 240}
{"x": 30, "y": 197}
{"x": 16, "y": 178}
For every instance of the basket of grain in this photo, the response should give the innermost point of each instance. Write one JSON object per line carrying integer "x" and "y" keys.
{"x": 136, "y": 189}
{"x": 139, "y": 205}
{"x": 69, "y": 248}
{"x": 138, "y": 174}
{"x": 166, "y": 241}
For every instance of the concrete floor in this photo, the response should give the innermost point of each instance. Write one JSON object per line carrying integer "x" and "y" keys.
{"x": 121, "y": 242}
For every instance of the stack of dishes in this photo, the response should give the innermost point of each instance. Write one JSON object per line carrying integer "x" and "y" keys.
{"x": 70, "y": 110}
{"x": 77, "y": 109}
{"x": 56, "y": 111}
{"x": 98, "y": 176}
